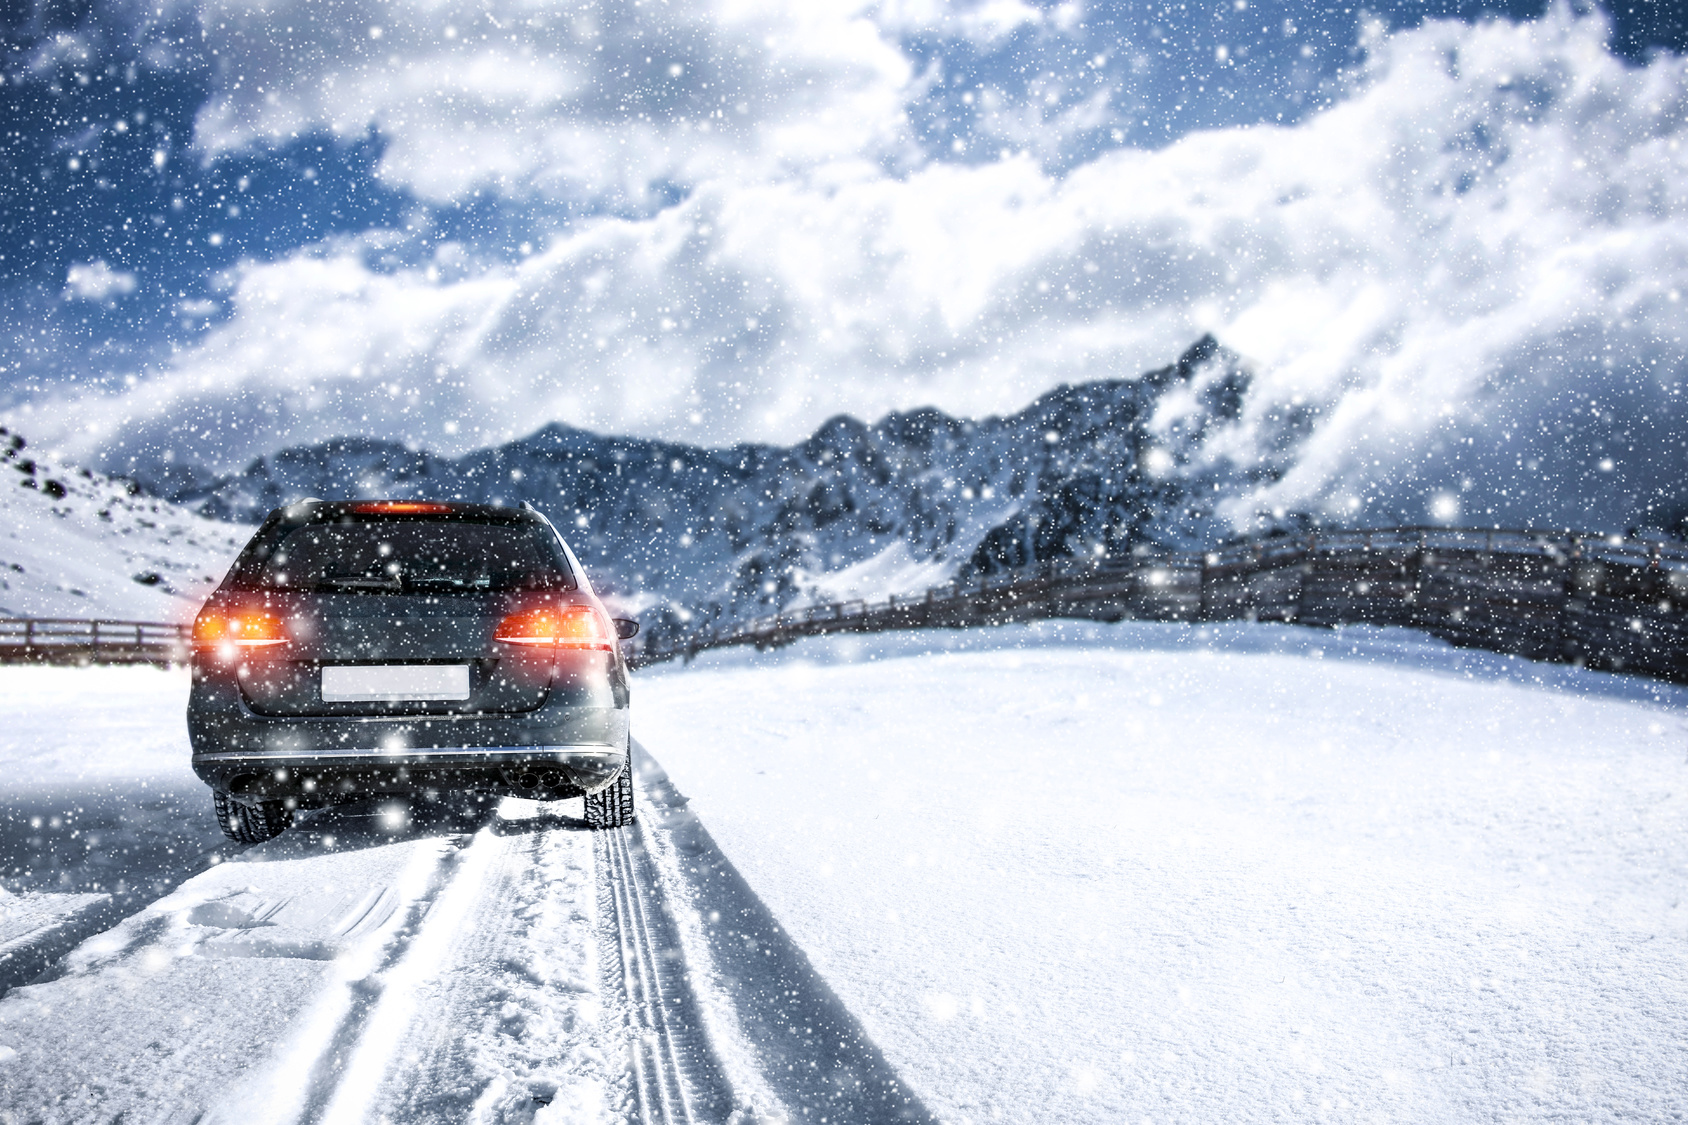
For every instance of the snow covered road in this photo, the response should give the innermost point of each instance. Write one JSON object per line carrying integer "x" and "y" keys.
{"x": 1061, "y": 873}
{"x": 354, "y": 969}
{"x": 392, "y": 962}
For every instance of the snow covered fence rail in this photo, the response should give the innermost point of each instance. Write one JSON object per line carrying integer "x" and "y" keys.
{"x": 63, "y": 640}
{"x": 1604, "y": 601}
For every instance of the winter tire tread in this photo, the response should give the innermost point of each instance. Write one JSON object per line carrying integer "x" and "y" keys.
{"x": 250, "y": 824}
{"x": 612, "y": 806}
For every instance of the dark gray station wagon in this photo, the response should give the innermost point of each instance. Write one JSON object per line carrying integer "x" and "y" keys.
{"x": 366, "y": 648}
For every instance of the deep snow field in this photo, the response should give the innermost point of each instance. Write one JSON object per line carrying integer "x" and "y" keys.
{"x": 1059, "y": 873}
{"x": 1093, "y": 873}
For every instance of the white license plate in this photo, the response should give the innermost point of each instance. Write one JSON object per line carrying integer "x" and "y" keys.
{"x": 394, "y": 683}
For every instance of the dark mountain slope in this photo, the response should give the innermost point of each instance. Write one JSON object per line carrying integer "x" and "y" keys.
{"x": 1099, "y": 468}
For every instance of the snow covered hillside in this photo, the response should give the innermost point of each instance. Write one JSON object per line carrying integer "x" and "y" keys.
{"x": 1052, "y": 873}
{"x": 74, "y": 543}
{"x": 1104, "y": 874}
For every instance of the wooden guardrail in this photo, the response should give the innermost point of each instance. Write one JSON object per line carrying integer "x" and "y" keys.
{"x": 1608, "y": 602}
{"x": 64, "y": 640}
{"x": 1604, "y": 601}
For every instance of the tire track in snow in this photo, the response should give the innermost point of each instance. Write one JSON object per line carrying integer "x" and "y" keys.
{"x": 512, "y": 971}
{"x": 356, "y": 1057}
{"x": 546, "y": 979}
{"x": 323, "y": 1038}
{"x": 494, "y": 1014}
{"x": 541, "y": 978}
{"x": 788, "y": 1046}
{"x": 675, "y": 1076}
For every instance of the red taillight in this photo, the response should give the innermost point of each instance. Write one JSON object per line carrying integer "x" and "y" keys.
{"x": 568, "y": 626}
{"x": 242, "y": 628}
{"x": 402, "y": 508}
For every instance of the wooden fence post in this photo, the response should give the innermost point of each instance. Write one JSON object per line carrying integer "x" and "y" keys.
{"x": 1202, "y": 607}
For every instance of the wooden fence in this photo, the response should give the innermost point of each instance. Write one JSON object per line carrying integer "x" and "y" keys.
{"x": 63, "y": 640}
{"x": 1607, "y": 602}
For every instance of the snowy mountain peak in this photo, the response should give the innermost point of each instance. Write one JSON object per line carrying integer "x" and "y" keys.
{"x": 857, "y": 508}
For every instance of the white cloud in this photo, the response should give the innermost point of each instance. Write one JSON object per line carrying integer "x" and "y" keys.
{"x": 981, "y": 21}
{"x": 97, "y": 281}
{"x": 1488, "y": 228}
{"x": 584, "y": 102}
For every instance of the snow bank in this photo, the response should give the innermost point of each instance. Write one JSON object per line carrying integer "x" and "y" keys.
{"x": 1253, "y": 873}
{"x": 892, "y": 571}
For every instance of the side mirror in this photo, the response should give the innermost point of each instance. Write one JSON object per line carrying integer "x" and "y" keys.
{"x": 626, "y": 628}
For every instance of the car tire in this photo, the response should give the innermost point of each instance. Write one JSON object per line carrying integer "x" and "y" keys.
{"x": 251, "y": 824}
{"x": 612, "y": 806}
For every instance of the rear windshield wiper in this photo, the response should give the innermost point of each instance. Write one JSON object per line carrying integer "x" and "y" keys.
{"x": 363, "y": 583}
{"x": 481, "y": 583}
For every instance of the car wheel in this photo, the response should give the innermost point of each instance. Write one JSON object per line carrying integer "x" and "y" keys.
{"x": 612, "y": 806}
{"x": 251, "y": 824}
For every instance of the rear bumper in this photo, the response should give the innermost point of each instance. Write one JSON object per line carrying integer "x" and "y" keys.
{"x": 543, "y": 772}
{"x": 561, "y": 749}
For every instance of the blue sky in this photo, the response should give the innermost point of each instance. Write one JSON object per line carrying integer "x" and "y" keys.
{"x": 227, "y": 230}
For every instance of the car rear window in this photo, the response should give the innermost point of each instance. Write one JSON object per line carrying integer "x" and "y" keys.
{"x": 412, "y": 556}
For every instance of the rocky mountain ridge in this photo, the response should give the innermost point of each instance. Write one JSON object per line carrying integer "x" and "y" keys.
{"x": 673, "y": 529}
